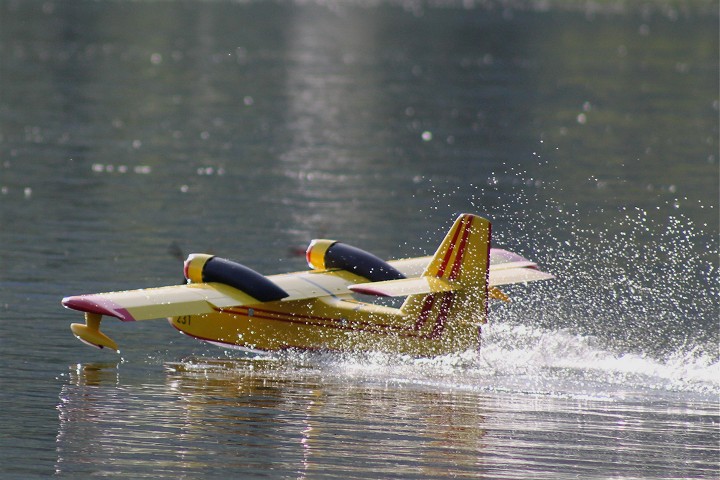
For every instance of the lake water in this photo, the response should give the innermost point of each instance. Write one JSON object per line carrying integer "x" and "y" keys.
{"x": 133, "y": 132}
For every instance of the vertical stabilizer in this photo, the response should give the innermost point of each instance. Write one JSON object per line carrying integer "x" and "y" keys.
{"x": 464, "y": 255}
{"x": 463, "y": 259}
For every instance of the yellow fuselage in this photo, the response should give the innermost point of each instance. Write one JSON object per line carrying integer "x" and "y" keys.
{"x": 337, "y": 323}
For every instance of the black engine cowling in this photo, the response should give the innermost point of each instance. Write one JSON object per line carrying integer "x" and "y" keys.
{"x": 206, "y": 268}
{"x": 327, "y": 254}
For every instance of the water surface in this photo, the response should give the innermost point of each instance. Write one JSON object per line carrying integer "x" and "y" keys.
{"x": 132, "y": 133}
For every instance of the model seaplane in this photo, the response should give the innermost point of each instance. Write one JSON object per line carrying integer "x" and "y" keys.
{"x": 231, "y": 305}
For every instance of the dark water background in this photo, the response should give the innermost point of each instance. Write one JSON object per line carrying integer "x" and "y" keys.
{"x": 131, "y": 131}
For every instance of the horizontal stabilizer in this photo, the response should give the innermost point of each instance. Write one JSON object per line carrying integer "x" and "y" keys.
{"x": 516, "y": 275}
{"x": 405, "y": 287}
{"x": 505, "y": 268}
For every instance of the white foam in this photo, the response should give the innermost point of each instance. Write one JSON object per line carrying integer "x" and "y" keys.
{"x": 517, "y": 349}
{"x": 530, "y": 360}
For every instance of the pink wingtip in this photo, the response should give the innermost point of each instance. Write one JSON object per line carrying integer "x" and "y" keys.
{"x": 99, "y": 305}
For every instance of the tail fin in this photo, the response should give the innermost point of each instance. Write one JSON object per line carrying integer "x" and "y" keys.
{"x": 464, "y": 255}
{"x": 463, "y": 259}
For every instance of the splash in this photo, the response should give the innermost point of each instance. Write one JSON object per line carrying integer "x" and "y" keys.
{"x": 580, "y": 363}
{"x": 514, "y": 359}
{"x": 642, "y": 283}
{"x": 529, "y": 360}
{"x": 633, "y": 312}
{"x": 634, "y": 308}
{"x": 642, "y": 279}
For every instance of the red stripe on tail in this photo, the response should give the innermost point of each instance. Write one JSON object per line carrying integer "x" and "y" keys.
{"x": 445, "y": 306}
{"x": 448, "y": 254}
{"x": 425, "y": 312}
{"x": 457, "y": 265}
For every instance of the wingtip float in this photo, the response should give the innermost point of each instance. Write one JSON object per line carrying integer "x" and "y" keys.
{"x": 231, "y": 305}
{"x": 90, "y": 333}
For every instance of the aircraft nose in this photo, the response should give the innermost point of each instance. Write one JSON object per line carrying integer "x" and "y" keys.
{"x": 194, "y": 265}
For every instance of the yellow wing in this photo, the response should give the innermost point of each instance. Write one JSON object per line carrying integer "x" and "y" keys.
{"x": 198, "y": 298}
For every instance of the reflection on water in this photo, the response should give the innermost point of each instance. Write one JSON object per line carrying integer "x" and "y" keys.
{"x": 308, "y": 417}
{"x": 257, "y": 417}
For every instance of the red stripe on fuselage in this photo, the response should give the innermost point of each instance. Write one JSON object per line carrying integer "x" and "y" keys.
{"x": 335, "y": 323}
{"x": 252, "y": 347}
{"x": 311, "y": 320}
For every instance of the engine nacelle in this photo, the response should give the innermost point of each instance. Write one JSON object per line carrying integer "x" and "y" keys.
{"x": 207, "y": 268}
{"x": 326, "y": 254}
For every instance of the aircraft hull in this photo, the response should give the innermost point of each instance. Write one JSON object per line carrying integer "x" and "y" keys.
{"x": 335, "y": 324}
